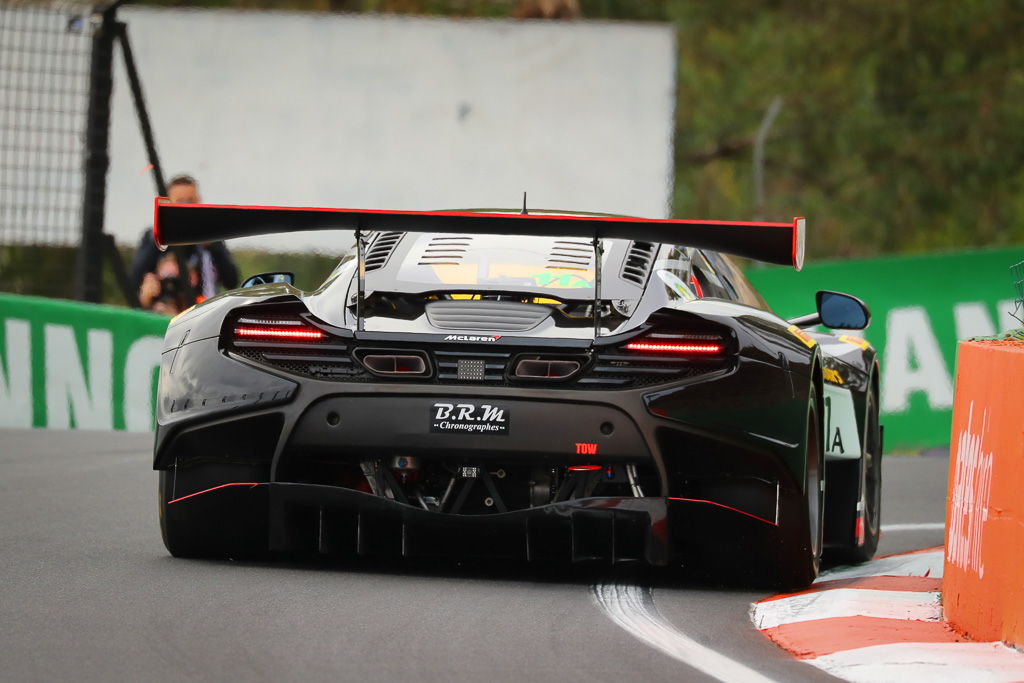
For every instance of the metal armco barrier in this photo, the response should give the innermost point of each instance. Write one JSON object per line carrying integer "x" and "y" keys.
{"x": 921, "y": 306}
{"x": 983, "y": 582}
{"x": 67, "y": 365}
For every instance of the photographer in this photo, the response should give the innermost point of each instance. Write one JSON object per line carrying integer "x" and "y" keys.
{"x": 161, "y": 276}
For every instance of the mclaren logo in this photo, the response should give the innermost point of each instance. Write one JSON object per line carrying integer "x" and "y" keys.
{"x": 471, "y": 338}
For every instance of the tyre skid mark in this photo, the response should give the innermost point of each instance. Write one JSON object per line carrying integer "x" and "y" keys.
{"x": 632, "y": 608}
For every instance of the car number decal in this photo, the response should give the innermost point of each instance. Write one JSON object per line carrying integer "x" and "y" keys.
{"x": 468, "y": 418}
{"x": 842, "y": 438}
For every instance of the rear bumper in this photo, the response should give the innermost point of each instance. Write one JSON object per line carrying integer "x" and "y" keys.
{"x": 751, "y": 408}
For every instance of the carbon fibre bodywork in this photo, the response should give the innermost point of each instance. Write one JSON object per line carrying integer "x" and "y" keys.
{"x": 310, "y": 446}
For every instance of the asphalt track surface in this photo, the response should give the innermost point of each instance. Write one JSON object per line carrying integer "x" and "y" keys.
{"x": 88, "y": 592}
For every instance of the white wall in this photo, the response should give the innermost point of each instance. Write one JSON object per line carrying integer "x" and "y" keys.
{"x": 391, "y": 112}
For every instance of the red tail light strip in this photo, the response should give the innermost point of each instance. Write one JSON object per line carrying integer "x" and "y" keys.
{"x": 307, "y": 333}
{"x": 660, "y": 347}
{"x": 585, "y": 468}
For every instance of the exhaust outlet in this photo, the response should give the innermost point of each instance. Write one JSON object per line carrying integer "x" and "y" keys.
{"x": 546, "y": 369}
{"x": 395, "y": 364}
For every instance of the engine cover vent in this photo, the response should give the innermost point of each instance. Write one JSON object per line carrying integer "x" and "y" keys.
{"x": 571, "y": 255}
{"x": 638, "y": 262}
{"x": 446, "y": 250}
{"x": 377, "y": 255}
{"x": 490, "y": 316}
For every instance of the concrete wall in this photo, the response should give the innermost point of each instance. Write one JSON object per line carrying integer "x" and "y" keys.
{"x": 391, "y": 112}
{"x": 983, "y": 577}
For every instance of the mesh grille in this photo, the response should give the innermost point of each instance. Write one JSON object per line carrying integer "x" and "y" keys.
{"x": 44, "y": 83}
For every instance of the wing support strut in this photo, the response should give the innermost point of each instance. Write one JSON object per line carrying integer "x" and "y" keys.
{"x": 598, "y": 252}
{"x": 360, "y": 276}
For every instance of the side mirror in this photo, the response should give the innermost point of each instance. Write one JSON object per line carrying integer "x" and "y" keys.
{"x": 268, "y": 278}
{"x": 838, "y": 311}
{"x": 842, "y": 311}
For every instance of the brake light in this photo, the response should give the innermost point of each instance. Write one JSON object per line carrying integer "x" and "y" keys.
{"x": 672, "y": 343}
{"x": 666, "y": 347}
{"x": 585, "y": 468}
{"x": 290, "y": 330}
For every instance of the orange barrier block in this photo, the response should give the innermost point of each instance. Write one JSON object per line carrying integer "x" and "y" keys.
{"x": 983, "y": 584}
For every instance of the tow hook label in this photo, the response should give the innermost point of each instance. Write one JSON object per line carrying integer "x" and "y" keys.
{"x": 468, "y": 418}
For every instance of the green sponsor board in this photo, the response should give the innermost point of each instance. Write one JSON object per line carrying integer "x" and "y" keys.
{"x": 67, "y": 365}
{"x": 921, "y": 307}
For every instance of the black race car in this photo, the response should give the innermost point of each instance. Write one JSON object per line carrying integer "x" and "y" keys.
{"x": 534, "y": 386}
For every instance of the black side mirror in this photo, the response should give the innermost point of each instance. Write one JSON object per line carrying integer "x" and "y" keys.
{"x": 838, "y": 311}
{"x": 842, "y": 311}
{"x": 268, "y": 278}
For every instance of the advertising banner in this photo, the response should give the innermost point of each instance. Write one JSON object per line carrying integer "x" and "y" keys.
{"x": 921, "y": 307}
{"x": 66, "y": 365}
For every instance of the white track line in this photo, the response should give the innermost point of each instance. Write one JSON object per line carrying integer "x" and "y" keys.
{"x": 633, "y": 609}
{"x": 926, "y": 526}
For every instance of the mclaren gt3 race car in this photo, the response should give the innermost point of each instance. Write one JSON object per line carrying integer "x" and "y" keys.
{"x": 536, "y": 386}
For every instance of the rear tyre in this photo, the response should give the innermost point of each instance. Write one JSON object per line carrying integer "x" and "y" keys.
{"x": 229, "y": 523}
{"x": 865, "y": 522}
{"x": 802, "y": 522}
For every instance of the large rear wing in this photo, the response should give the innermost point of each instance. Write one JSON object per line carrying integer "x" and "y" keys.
{"x": 180, "y": 224}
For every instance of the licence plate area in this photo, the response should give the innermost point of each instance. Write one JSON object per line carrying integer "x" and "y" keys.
{"x": 469, "y": 417}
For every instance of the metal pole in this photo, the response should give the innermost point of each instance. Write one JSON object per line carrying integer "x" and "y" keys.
{"x": 140, "y": 109}
{"x": 89, "y": 270}
{"x": 762, "y": 137}
{"x": 184, "y": 284}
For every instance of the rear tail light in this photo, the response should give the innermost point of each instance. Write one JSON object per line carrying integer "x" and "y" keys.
{"x": 684, "y": 344}
{"x": 284, "y": 329}
{"x": 665, "y": 347}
